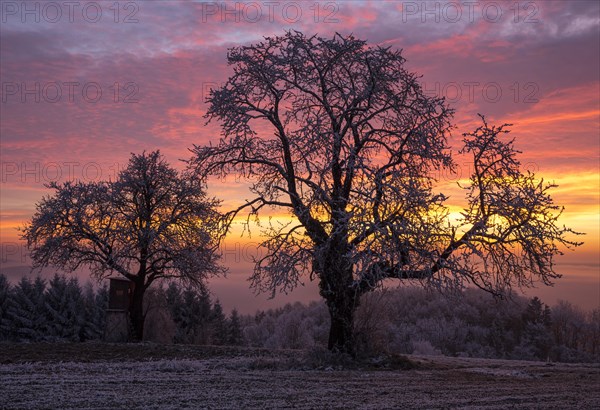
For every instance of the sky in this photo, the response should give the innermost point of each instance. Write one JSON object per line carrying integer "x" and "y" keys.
{"x": 86, "y": 83}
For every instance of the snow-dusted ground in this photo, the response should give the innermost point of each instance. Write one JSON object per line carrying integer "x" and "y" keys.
{"x": 238, "y": 379}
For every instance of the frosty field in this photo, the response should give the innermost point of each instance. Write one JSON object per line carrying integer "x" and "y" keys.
{"x": 149, "y": 376}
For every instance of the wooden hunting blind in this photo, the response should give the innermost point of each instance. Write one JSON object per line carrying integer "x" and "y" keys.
{"x": 118, "y": 324}
{"x": 119, "y": 295}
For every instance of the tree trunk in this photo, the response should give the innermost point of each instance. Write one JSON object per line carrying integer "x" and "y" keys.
{"x": 136, "y": 311}
{"x": 336, "y": 287}
{"x": 341, "y": 330}
{"x": 342, "y": 301}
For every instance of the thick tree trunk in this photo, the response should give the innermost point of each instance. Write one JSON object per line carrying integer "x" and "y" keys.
{"x": 336, "y": 282}
{"x": 136, "y": 311}
{"x": 342, "y": 300}
{"x": 341, "y": 331}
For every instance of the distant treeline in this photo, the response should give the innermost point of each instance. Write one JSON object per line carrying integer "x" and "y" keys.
{"x": 404, "y": 320}
{"x": 414, "y": 320}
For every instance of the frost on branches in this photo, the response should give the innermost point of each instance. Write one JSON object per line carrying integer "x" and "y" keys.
{"x": 151, "y": 223}
{"x": 341, "y": 135}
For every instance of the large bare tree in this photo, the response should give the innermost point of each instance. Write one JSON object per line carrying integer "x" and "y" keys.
{"x": 341, "y": 135}
{"x": 150, "y": 223}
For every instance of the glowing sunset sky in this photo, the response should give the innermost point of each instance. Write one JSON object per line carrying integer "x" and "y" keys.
{"x": 86, "y": 84}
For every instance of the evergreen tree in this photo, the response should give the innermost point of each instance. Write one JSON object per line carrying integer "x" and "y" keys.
{"x": 26, "y": 310}
{"x": 536, "y": 337}
{"x": 65, "y": 309}
{"x": 191, "y": 312}
{"x": 177, "y": 310}
{"x": 173, "y": 296}
{"x": 95, "y": 305}
{"x": 198, "y": 311}
{"x": 234, "y": 332}
{"x": 219, "y": 325}
{"x": 4, "y": 301}
{"x": 534, "y": 312}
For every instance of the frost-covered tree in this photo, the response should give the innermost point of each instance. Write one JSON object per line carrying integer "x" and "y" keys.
{"x": 594, "y": 332}
{"x": 150, "y": 223}
{"x": 294, "y": 326}
{"x": 342, "y": 136}
{"x": 570, "y": 330}
{"x": 291, "y": 330}
{"x": 65, "y": 309}
{"x": 26, "y": 312}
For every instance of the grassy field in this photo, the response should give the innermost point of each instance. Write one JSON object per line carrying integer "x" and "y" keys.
{"x": 150, "y": 376}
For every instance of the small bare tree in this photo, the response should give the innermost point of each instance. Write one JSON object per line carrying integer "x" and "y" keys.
{"x": 150, "y": 223}
{"x": 343, "y": 136}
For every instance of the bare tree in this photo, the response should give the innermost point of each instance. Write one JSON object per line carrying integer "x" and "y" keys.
{"x": 342, "y": 135}
{"x": 150, "y": 223}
